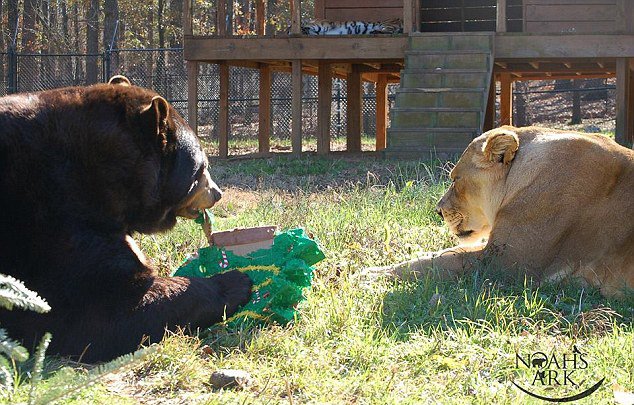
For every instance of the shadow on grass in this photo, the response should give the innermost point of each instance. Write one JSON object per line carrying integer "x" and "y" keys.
{"x": 493, "y": 300}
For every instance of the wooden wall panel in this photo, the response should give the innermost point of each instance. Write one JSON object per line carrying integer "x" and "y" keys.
{"x": 571, "y": 16}
{"x": 363, "y": 14}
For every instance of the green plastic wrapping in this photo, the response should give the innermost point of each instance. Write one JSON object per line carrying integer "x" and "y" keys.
{"x": 280, "y": 275}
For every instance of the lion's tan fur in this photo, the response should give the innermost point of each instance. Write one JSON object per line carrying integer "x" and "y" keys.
{"x": 552, "y": 204}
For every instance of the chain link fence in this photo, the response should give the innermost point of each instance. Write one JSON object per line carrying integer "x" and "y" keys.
{"x": 549, "y": 103}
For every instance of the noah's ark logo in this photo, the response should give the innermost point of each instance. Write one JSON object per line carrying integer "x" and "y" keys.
{"x": 546, "y": 371}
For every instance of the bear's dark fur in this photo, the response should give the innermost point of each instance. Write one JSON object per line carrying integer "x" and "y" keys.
{"x": 81, "y": 169}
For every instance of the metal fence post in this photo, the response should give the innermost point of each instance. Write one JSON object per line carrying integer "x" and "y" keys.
{"x": 12, "y": 70}
{"x": 106, "y": 65}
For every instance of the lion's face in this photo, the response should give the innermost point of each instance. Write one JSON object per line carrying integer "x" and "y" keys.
{"x": 470, "y": 204}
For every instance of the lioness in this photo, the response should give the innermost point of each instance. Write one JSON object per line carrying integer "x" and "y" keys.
{"x": 551, "y": 204}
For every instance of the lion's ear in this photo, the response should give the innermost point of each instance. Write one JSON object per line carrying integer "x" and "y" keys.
{"x": 500, "y": 146}
{"x": 120, "y": 80}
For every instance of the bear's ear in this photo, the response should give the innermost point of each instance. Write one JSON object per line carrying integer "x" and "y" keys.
{"x": 500, "y": 146}
{"x": 156, "y": 118}
{"x": 120, "y": 80}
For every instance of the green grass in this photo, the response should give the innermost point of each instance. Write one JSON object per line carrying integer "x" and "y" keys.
{"x": 372, "y": 342}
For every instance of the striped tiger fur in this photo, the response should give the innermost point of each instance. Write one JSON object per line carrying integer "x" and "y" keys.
{"x": 326, "y": 27}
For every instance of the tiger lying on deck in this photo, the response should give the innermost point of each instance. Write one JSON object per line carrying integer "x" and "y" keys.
{"x": 326, "y": 27}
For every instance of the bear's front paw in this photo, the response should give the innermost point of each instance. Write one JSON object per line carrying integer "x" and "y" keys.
{"x": 235, "y": 288}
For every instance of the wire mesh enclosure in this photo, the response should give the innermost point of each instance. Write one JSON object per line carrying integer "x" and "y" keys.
{"x": 590, "y": 103}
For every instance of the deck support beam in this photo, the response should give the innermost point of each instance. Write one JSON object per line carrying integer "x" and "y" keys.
{"x": 264, "y": 111}
{"x": 506, "y": 99}
{"x": 324, "y": 107}
{"x": 624, "y": 102}
{"x": 354, "y": 108}
{"x": 223, "y": 115}
{"x": 296, "y": 126}
{"x": 489, "y": 115}
{"x": 381, "y": 112}
{"x": 192, "y": 95}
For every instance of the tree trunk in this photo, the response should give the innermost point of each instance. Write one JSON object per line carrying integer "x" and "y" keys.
{"x": 92, "y": 42}
{"x": 521, "y": 117}
{"x": 110, "y": 33}
{"x": 78, "y": 67}
{"x": 12, "y": 19}
{"x": 28, "y": 26}
{"x": 176, "y": 32}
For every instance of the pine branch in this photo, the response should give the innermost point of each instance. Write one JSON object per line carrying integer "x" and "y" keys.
{"x": 13, "y": 293}
{"x": 38, "y": 366}
{"x": 95, "y": 375}
{"x": 12, "y": 348}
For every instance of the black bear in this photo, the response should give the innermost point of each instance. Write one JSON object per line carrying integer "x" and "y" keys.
{"x": 81, "y": 169}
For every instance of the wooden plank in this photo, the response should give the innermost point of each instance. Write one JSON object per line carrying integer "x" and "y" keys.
{"x": 320, "y": 9}
{"x": 221, "y": 18}
{"x": 408, "y": 18}
{"x": 296, "y": 128}
{"x": 315, "y": 48}
{"x": 296, "y": 17}
{"x": 625, "y": 16}
{"x": 362, "y": 3}
{"x": 570, "y": 13}
{"x": 187, "y": 17}
{"x": 563, "y": 46}
{"x": 489, "y": 112}
{"x": 623, "y": 126}
{"x": 264, "y": 110}
{"x": 260, "y": 15}
{"x": 354, "y": 108}
{"x": 223, "y": 115}
{"x": 381, "y": 112}
{"x": 501, "y": 16}
{"x": 506, "y": 100}
{"x": 324, "y": 106}
{"x": 364, "y": 14}
{"x": 572, "y": 27}
{"x": 192, "y": 94}
{"x": 629, "y": 135}
{"x": 417, "y": 16}
{"x": 569, "y": 2}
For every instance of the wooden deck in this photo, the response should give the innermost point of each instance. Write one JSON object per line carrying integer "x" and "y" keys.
{"x": 558, "y": 39}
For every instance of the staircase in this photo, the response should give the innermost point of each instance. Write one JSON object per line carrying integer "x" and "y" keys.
{"x": 442, "y": 99}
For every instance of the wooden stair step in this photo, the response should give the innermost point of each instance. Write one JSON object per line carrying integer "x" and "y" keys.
{"x": 448, "y": 60}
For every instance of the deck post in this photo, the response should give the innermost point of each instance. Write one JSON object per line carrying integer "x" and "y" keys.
{"x": 223, "y": 115}
{"x": 260, "y": 15}
{"x": 192, "y": 95}
{"x": 506, "y": 99}
{"x": 324, "y": 107}
{"x": 624, "y": 113}
{"x": 501, "y": 16}
{"x": 408, "y": 18}
{"x": 381, "y": 112}
{"x": 264, "y": 110}
{"x": 296, "y": 17}
{"x": 624, "y": 16}
{"x": 221, "y": 18}
{"x": 187, "y": 17}
{"x": 296, "y": 128}
{"x": 489, "y": 116}
{"x": 353, "y": 110}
